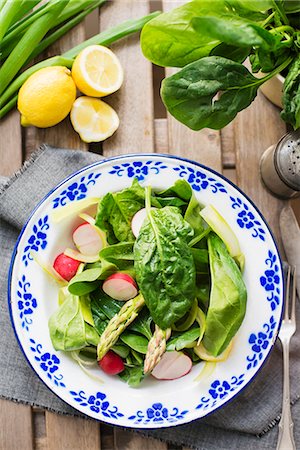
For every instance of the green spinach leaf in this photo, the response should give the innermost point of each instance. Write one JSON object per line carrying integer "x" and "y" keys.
{"x": 133, "y": 375}
{"x": 120, "y": 254}
{"x": 193, "y": 217}
{"x": 190, "y": 94}
{"x": 237, "y": 54}
{"x": 200, "y": 256}
{"x": 228, "y": 298}
{"x": 184, "y": 340}
{"x": 164, "y": 264}
{"x": 237, "y": 32}
{"x": 67, "y": 327}
{"x": 180, "y": 189}
{"x": 135, "y": 341}
{"x": 115, "y": 212}
{"x": 291, "y": 95}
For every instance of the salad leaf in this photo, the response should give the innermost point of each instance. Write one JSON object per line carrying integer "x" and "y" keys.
{"x": 133, "y": 375}
{"x": 192, "y": 216}
{"x": 236, "y": 32}
{"x": 142, "y": 324}
{"x": 136, "y": 342}
{"x": 184, "y": 340}
{"x": 164, "y": 264}
{"x": 91, "y": 335}
{"x": 87, "y": 281}
{"x": 291, "y": 95}
{"x": 115, "y": 212}
{"x": 255, "y": 5}
{"x": 237, "y": 54}
{"x": 67, "y": 327}
{"x": 118, "y": 254}
{"x": 85, "y": 304}
{"x": 200, "y": 256}
{"x": 228, "y": 298}
{"x": 190, "y": 94}
{"x": 180, "y": 189}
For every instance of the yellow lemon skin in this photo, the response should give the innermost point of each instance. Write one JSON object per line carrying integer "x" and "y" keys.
{"x": 97, "y": 71}
{"x": 46, "y": 98}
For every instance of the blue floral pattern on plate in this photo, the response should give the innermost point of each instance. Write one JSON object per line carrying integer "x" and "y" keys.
{"x": 97, "y": 403}
{"x": 138, "y": 169}
{"x": 220, "y": 389}
{"x": 26, "y": 302}
{"x": 199, "y": 180}
{"x": 76, "y": 190}
{"x": 48, "y": 362}
{"x": 246, "y": 219}
{"x": 270, "y": 280}
{"x": 37, "y": 240}
{"x": 157, "y": 413}
{"x": 260, "y": 342}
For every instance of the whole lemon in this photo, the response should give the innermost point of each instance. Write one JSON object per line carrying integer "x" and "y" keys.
{"x": 46, "y": 97}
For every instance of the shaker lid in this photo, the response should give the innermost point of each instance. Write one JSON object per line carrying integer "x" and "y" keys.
{"x": 287, "y": 159}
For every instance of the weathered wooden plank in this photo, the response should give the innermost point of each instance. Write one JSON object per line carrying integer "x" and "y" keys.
{"x": 256, "y": 128}
{"x": 227, "y": 144}
{"x": 133, "y": 102}
{"x": 126, "y": 440}
{"x": 16, "y": 426}
{"x": 161, "y": 135}
{"x": 71, "y": 433}
{"x": 10, "y": 144}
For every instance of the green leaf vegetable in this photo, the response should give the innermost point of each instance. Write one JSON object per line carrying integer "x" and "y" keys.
{"x": 192, "y": 295}
{"x": 228, "y": 298}
{"x": 164, "y": 264}
{"x": 210, "y": 40}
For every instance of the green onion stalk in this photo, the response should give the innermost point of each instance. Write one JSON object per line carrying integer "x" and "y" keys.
{"x": 8, "y": 98}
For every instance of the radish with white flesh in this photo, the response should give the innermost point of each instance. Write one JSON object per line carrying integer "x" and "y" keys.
{"x": 172, "y": 365}
{"x": 87, "y": 239}
{"x": 137, "y": 221}
{"x": 120, "y": 286}
{"x": 111, "y": 363}
{"x": 75, "y": 254}
{"x": 65, "y": 266}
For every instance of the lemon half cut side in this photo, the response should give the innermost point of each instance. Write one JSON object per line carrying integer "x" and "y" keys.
{"x": 93, "y": 119}
{"x": 97, "y": 71}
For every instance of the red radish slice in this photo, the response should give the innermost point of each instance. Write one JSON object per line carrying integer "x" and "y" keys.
{"x": 65, "y": 266}
{"x": 120, "y": 286}
{"x": 137, "y": 221}
{"x": 80, "y": 257}
{"x": 172, "y": 365}
{"x": 111, "y": 363}
{"x": 87, "y": 239}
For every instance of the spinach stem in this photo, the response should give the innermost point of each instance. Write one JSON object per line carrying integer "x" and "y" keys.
{"x": 280, "y": 12}
{"x": 198, "y": 238}
{"x": 277, "y": 70}
{"x": 282, "y": 28}
{"x": 268, "y": 19}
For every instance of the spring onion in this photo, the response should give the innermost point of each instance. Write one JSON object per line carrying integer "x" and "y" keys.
{"x": 29, "y": 41}
{"x": 7, "y": 14}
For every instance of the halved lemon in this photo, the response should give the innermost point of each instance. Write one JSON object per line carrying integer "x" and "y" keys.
{"x": 93, "y": 119}
{"x": 97, "y": 71}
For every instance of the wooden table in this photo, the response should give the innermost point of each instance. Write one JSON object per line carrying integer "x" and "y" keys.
{"x": 235, "y": 151}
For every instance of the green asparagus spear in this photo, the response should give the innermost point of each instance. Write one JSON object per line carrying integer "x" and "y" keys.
{"x": 118, "y": 323}
{"x": 156, "y": 348}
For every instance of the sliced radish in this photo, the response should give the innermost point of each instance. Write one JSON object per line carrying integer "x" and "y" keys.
{"x": 65, "y": 266}
{"x": 87, "y": 239}
{"x": 120, "y": 286}
{"x": 137, "y": 221}
{"x": 172, "y": 365}
{"x": 111, "y": 363}
{"x": 80, "y": 257}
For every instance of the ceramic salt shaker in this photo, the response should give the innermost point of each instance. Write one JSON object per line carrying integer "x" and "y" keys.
{"x": 280, "y": 166}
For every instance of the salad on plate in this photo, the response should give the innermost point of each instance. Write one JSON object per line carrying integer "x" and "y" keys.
{"x": 153, "y": 284}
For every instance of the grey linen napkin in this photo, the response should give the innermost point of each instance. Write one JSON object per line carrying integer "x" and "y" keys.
{"x": 247, "y": 422}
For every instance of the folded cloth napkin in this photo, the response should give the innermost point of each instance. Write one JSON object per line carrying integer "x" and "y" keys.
{"x": 247, "y": 422}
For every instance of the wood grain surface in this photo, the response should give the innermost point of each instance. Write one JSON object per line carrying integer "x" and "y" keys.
{"x": 235, "y": 151}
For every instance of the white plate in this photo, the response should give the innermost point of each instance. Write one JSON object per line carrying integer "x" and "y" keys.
{"x": 33, "y": 298}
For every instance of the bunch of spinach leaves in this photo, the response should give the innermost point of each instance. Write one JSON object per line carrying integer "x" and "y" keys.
{"x": 210, "y": 40}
